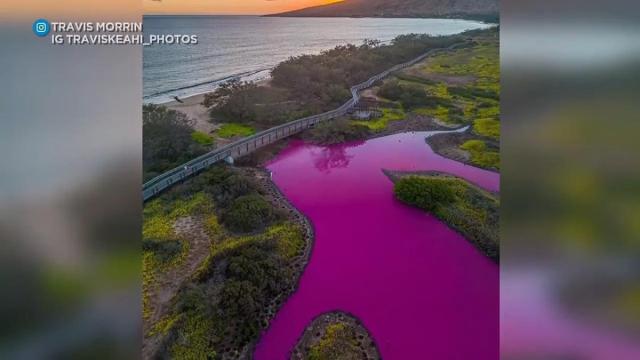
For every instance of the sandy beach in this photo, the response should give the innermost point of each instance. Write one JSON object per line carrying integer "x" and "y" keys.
{"x": 192, "y": 107}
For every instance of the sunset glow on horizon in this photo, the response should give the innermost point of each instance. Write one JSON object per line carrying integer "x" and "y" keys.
{"x": 228, "y": 7}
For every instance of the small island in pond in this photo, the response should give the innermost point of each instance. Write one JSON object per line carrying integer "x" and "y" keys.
{"x": 335, "y": 336}
{"x": 471, "y": 211}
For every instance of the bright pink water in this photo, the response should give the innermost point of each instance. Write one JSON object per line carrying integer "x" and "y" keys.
{"x": 421, "y": 289}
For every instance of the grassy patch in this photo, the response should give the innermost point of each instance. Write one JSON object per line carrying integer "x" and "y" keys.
{"x": 481, "y": 155}
{"x": 488, "y": 110}
{"x": 202, "y": 138}
{"x": 487, "y": 127}
{"x": 338, "y": 342}
{"x": 439, "y": 90}
{"x": 230, "y": 130}
{"x": 471, "y": 211}
{"x": 381, "y": 123}
{"x": 480, "y": 61}
{"x": 439, "y": 112}
{"x": 456, "y": 103}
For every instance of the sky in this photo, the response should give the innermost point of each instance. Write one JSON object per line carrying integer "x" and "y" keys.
{"x": 227, "y": 7}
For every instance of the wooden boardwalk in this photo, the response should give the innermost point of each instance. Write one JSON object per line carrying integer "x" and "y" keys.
{"x": 249, "y": 144}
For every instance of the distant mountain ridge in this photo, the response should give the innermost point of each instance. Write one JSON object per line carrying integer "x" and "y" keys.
{"x": 467, "y": 9}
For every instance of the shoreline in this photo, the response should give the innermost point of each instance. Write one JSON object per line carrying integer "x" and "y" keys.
{"x": 262, "y": 175}
{"x": 489, "y": 249}
{"x": 447, "y": 145}
{"x": 153, "y": 342}
{"x": 193, "y": 108}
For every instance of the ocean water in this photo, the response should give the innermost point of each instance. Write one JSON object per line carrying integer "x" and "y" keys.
{"x": 420, "y": 288}
{"x": 247, "y": 47}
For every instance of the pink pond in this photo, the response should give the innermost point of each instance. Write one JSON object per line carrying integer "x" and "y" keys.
{"x": 421, "y": 289}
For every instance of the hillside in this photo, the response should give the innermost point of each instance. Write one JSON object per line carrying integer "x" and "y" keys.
{"x": 467, "y": 9}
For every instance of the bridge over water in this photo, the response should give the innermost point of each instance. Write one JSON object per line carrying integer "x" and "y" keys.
{"x": 249, "y": 144}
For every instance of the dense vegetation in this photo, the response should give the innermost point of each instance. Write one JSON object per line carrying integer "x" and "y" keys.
{"x": 487, "y": 127}
{"x": 466, "y": 208}
{"x": 337, "y": 131}
{"x": 310, "y": 84}
{"x": 169, "y": 140}
{"x": 471, "y": 77}
{"x": 410, "y": 95}
{"x": 248, "y": 213}
{"x": 223, "y": 307}
{"x": 481, "y": 154}
{"x": 324, "y": 80}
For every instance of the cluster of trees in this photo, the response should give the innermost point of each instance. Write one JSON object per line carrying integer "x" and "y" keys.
{"x": 427, "y": 193}
{"x": 255, "y": 275}
{"x": 337, "y": 131}
{"x": 230, "y": 317}
{"x": 245, "y": 102}
{"x": 410, "y": 95}
{"x": 167, "y": 140}
{"x": 310, "y": 84}
{"x": 323, "y": 81}
{"x": 249, "y": 213}
{"x": 241, "y": 206}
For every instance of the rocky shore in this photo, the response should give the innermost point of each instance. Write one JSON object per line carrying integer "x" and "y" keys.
{"x": 337, "y": 335}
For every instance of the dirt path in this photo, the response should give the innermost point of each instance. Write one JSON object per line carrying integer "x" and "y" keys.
{"x": 168, "y": 283}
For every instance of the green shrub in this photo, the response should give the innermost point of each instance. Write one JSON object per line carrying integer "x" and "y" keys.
{"x": 167, "y": 140}
{"x": 412, "y": 95}
{"x": 391, "y": 90}
{"x": 202, "y": 138}
{"x": 220, "y": 183}
{"x": 165, "y": 250}
{"x": 481, "y": 155}
{"x": 255, "y": 275}
{"x": 248, "y": 213}
{"x": 425, "y": 193}
{"x": 487, "y": 127}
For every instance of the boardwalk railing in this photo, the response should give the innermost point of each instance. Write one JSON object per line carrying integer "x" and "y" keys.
{"x": 269, "y": 136}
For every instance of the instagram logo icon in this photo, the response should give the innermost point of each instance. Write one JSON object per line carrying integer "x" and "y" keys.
{"x": 41, "y": 27}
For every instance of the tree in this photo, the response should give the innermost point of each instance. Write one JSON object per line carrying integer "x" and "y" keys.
{"x": 425, "y": 193}
{"x": 248, "y": 213}
{"x": 167, "y": 140}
